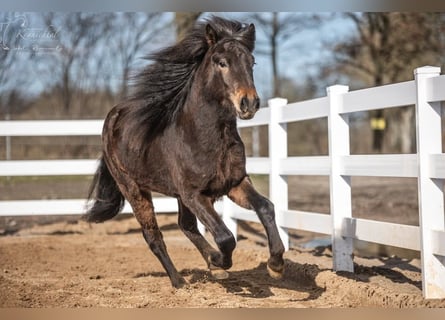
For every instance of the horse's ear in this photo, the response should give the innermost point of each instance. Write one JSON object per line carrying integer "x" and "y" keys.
{"x": 251, "y": 30}
{"x": 211, "y": 35}
{"x": 248, "y": 36}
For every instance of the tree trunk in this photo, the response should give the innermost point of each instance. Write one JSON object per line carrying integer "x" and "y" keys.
{"x": 184, "y": 22}
{"x": 66, "y": 90}
{"x": 273, "y": 44}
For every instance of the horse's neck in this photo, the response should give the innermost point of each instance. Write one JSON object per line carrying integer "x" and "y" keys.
{"x": 209, "y": 122}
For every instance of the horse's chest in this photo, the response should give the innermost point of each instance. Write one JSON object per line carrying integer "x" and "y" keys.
{"x": 228, "y": 170}
{"x": 215, "y": 161}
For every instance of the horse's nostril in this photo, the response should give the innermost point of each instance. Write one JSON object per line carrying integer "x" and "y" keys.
{"x": 249, "y": 105}
{"x": 257, "y": 103}
{"x": 244, "y": 104}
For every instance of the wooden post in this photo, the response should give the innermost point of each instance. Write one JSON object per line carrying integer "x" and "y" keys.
{"x": 340, "y": 186}
{"x": 431, "y": 208}
{"x": 277, "y": 151}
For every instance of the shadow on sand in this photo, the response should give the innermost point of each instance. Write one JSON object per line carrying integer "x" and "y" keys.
{"x": 256, "y": 282}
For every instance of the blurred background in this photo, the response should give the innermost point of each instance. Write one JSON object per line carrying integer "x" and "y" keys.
{"x": 78, "y": 65}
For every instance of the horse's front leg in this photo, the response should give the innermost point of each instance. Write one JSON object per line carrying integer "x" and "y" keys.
{"x": 202, "y": 207}
{"x": 247, "y": 197}
{"x": 188, "y": 224}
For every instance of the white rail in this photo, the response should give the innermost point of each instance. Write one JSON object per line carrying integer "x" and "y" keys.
{"x": 426, "y": 92}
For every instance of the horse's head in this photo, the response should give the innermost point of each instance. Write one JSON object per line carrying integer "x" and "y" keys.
{"x": 229, "y": 70}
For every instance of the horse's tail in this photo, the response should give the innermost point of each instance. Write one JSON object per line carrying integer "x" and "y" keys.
{"x": 108, "y": 201}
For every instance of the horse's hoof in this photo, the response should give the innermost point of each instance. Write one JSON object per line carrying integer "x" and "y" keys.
{"x": 179, "y": 283}
{"x": 275, "y": 274}
{"x": 218, "y": 273}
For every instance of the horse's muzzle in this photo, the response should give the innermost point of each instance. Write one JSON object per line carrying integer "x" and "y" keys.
{"x": 248, "y": 107}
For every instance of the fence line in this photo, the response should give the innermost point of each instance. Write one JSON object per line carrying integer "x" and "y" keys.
{"x": 426, "y": 92}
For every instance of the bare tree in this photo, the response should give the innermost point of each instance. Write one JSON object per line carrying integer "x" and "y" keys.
{"x": 184, "y": 22}
{"x": 13, "y": 62}
{"x": 133, "y": 33}
{"x": 80, "y": 32}
{"x": 385, "y": 48}
{"x": 279, "y": 29}
{"x": 9, "y": 27}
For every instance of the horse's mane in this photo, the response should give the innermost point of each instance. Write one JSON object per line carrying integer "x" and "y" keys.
{"x": 161, "y": 89}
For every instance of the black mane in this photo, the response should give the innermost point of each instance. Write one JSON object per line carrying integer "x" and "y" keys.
{"x": 161, "y": 89}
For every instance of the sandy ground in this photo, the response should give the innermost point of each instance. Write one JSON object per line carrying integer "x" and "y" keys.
{"x": 74, "y": 264}
{"x": 64, "y": 262}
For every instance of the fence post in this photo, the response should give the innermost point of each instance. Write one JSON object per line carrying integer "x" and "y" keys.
{"x": 431, "y": 210}
{"x": 340, "y": 186}
{"x": 227, "y": 216}
{"x": 278, "y": 150}
{"x": 201, "y": 228}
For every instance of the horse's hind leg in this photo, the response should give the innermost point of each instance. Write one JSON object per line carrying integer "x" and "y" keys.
{"x": 143, "y": 210}
{"x": 188, "y": 224}
{"x": 246, "y": 196}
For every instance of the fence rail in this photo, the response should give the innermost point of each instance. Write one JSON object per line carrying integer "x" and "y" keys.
{"x": 426, "y": 92}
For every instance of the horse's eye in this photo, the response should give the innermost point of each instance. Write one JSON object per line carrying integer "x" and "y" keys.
{"x": 222, "y": 64}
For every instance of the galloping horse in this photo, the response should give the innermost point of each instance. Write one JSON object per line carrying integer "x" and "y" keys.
{"x": 177, "y": 135}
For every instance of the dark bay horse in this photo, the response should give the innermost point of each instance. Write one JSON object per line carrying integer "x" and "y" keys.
{"x": 177, "y": 135}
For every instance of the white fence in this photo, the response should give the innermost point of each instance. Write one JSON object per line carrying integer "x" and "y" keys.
{"x": 426, "y": 92}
